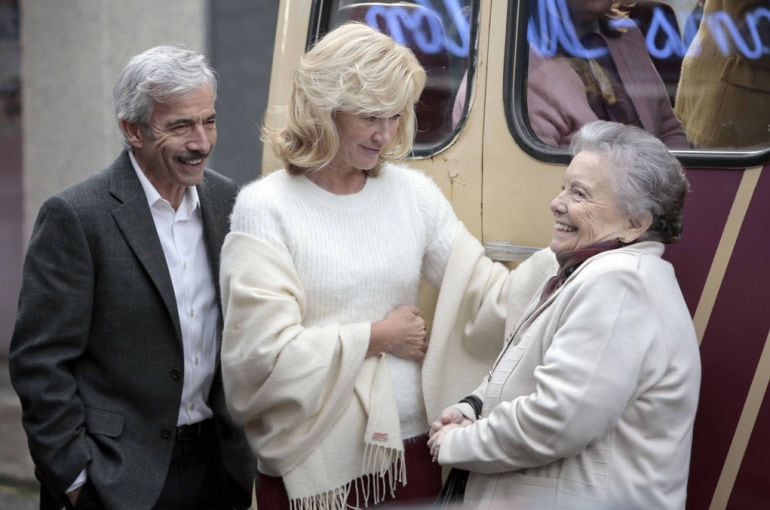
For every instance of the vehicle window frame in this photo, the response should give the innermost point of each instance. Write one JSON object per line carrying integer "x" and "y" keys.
{"x": 320, "y": 18}
{"x": 514, "y": 86}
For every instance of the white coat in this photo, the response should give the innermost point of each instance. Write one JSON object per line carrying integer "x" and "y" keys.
{"x": 592, "y": 404}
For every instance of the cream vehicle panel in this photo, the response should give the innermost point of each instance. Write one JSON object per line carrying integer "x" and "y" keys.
{"x": 517, "y": 188}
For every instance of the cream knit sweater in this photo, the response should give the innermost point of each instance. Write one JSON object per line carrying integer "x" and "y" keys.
{"x": 356, "y": 258}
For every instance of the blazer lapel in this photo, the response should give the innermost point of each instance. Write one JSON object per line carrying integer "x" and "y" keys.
{"x": 215, "y": 215}
{"x": 216, "y": 224}
{"x": 134, "y": 220}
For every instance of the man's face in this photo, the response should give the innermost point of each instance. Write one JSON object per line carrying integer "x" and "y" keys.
{"x": 174, "y": 149}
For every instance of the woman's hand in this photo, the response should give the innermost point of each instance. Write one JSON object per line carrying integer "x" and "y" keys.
{"x": 451, "y": 418}
{"x": 401, "y": 333}
{"x": 434, "y": 443}
{"x": 450, "y": 415}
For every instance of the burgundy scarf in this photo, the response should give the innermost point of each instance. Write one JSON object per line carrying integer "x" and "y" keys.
{"x": 569, "y": 261}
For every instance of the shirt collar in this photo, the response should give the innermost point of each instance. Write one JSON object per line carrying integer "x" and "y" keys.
{"x": 190, "y": 201}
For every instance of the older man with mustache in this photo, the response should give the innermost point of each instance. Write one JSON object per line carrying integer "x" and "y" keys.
{"x": 116, "y": 346}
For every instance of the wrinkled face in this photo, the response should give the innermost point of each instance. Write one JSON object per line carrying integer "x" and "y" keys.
{"x": 586, "y": 211}
{"x": 588, "y": 10}
{"x": 174, "y": 149}
{"x": 362, "y": 140}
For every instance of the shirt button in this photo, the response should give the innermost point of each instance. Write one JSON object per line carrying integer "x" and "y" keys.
{"x": 184, "y": 264}
{"x": 191, "y": 312}
{"x": 175, "y": 374}
{"x": 165, "y": 434}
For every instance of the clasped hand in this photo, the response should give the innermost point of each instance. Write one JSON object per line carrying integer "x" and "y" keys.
{"x": 451, "y": 418}
{"x": 401, "y": 333}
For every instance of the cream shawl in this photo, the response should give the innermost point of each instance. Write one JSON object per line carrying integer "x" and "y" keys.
{"x": 309, "y": 399}
{"x": 479, "y": 299}
{"x": 291, "y": 385}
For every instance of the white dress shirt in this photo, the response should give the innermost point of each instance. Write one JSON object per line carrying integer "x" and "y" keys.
{"x": 181, "y": 237}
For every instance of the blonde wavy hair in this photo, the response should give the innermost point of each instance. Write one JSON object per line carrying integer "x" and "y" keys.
{"x": 353, "y": 69}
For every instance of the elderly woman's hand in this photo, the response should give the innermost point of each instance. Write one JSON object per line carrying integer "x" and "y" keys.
{"x": 434, "y": 443}
{"x": 451, "y": 418}
{"x": 450, "y": 415}
{"x": 401, "y": 333}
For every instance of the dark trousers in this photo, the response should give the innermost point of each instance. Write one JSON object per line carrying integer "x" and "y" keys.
{"x": 194, "y": 480}
{"x": 423, "y": 478}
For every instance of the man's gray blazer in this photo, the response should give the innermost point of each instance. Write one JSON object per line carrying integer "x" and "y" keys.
{"x": 96, "y": 355}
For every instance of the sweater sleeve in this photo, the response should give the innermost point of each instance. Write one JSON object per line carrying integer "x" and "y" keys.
{"x": 257, "y": 213}
{"x": 588, "y": 376}
{"x": 442, "y": 228}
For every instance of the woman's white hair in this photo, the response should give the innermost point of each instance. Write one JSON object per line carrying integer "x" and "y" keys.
{"x": 648, "y": 179}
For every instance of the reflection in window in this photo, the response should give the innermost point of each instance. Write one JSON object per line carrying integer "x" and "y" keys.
{"x": 724, "y": 94}
{"x": 591, "y": 59}
{"x": 439, "y": 33}
{"x": 588, "y": 60}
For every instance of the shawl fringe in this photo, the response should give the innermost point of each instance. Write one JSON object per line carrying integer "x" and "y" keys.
{"x": 385, "y": 468}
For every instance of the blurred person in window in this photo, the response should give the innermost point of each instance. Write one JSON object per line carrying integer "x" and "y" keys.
{"x": 592, "y": 401}
{"x": 724, "y": 92}
{"x": 588, "y": 61}
{"x": 115, "y": 354}
{"x": 323, "y": 341}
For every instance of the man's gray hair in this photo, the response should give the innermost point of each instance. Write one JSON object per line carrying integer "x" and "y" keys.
{"x": 156, "y": 76}
{"x": 648, "y": 179}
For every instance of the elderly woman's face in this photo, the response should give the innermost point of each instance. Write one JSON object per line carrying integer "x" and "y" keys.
{"x": 586, "y": 211}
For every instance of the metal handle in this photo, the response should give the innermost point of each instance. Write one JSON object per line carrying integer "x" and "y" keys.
{"x": 506, "y": 251}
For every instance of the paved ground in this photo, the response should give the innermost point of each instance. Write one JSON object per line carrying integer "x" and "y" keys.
{"x": 13, "y": 498}
{"x": 18, "y": 488}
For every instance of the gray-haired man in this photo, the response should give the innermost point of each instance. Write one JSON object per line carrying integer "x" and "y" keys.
{"x": 115, "y": 354}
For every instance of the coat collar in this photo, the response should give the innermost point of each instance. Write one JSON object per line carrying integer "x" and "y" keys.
{"x": 646, "y": 247}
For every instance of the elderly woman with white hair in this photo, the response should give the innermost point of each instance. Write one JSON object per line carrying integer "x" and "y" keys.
{"x": 592, "y": 401}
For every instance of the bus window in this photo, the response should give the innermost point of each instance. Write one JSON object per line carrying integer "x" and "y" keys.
{"x": 440, "y": 34}
{"x": 695, "y": 74}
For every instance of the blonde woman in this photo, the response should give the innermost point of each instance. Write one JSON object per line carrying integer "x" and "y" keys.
{"x": 323, "y": 343}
